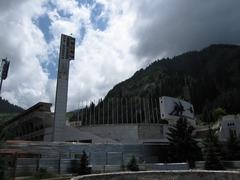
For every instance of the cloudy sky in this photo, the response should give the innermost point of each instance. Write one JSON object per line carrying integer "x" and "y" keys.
{"x": 114, "y": 38}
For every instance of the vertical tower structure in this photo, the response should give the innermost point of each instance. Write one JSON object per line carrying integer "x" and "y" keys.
{"x": 67, "y": 50}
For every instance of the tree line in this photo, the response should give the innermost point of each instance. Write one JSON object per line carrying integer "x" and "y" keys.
{"x": 183, "y": 147}
{"x": 6, "y": 107}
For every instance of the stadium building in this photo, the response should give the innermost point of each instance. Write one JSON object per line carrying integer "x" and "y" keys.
{"x": 113, "y": 129}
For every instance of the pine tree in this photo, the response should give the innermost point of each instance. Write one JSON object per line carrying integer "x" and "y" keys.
{"x": 233, "y": 147}
{"x": 182, "y": 146}
{"x": 84, "y": 165}
{"x": 132, "y": 165}
{"x": 218, "y": 113}
{"x": 212, "y": 152}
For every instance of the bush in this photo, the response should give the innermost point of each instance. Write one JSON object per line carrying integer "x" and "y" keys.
{"x": 84, "y": 165}
{"x": 182, "y": 145}
{"x": 132, "y": 165}
{"x": 233, "y": 147}
{"x": 212, "y": 151}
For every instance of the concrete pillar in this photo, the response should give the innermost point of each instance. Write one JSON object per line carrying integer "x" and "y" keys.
{"x": 67, "y": 48}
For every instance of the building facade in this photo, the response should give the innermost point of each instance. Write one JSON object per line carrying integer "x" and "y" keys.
{"x": 31, "y": 124}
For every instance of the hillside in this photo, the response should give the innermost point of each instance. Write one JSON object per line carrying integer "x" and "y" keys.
{"x": 212, "y": 76}
{"x": 209, "y": 78}
{"x": 6, "y": 107}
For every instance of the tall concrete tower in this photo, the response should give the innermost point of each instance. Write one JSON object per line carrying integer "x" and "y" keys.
{"x": 67, "y": 49}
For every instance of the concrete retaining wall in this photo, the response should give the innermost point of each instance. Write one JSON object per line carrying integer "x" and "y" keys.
{"x": 232, "y": 164}
{"x": 128, "y": 133}
{"x": 29, "y": 166}
{"x": 124, "y": 133}
{"x": 226, "y": 164}
{"x": 167, "y": 166}
{"x": 165, "y": 175}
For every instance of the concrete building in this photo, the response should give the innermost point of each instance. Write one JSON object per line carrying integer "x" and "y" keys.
{"x": 36, "y": 124}
{"x": 109, "y": 146}
{"x": 57, "y": 157}
{"x": 229, "y": 123}
{"x": 141, "y": 131}
{"x": 31, "y": 124}
{"x": 136, "y": 125}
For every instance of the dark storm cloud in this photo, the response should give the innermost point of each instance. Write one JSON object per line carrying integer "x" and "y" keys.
{"x": 174, "y": 26}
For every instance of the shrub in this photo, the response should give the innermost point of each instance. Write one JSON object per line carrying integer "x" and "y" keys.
{"x": 212, "y": 151}
{"x": 132, "y": 165}
{"x": 84, "y": 165}
{"x": 182, "y": 145}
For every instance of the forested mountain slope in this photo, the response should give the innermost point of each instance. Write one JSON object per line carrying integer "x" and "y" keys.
{"x": 212, "y": 76}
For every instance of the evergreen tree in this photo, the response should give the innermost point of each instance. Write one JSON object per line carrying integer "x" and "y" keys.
{"x": 6, "y": 107}
{"x": 182, "y": 146}
{"x": 84, "y": 165}
{"x": 218, "y": 113}
{"x": 212, "y": 152}
{"x": 233, "y": 147}
{"x": 132, "y": 165}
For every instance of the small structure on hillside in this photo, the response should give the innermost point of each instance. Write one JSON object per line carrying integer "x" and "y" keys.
{"x": 229, "y": 123}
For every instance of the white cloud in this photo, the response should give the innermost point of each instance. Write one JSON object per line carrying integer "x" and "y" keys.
{"x": 136, "y": 31}
{"x": 23, "y": 43}
{"x": 103, "y": 58}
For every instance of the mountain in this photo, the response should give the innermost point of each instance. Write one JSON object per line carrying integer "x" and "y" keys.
{"x": 6, "y": 107}
{"x": 209, "y": 78}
